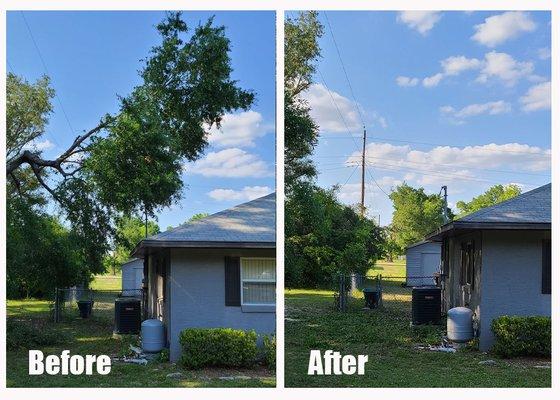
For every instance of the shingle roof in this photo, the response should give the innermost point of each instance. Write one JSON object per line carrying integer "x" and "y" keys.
{"x": 530, "y": 207}
{"x": 251, "y": 224}
{"x": 530, "y": 210}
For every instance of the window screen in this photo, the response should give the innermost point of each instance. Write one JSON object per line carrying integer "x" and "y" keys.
{"x": 258, "y": 281}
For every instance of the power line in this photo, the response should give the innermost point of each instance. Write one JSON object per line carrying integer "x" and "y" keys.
{"x": 390, "y": 167}
{"x": 344, "y": 69}
{"x": 348, "y": 179}
{"x": 444, "y": 145}
{"x": 377, "y": 184}
{"x": 46, "y": 71}
{"x": 10, "y": 66}
{"x": 337, "y": 108}
{"x": 465, "y": 166}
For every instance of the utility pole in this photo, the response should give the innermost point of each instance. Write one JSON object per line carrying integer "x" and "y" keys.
{"x": 363, "y": 206}
{"x": 445, "y": 216}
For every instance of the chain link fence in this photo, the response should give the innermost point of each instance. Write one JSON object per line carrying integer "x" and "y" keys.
{"x": 95, "y": 305}
{"x": 393, "y": 294}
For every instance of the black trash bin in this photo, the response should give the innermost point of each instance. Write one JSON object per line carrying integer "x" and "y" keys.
{"x": 371, "y": 297}
{"x": 85, "y": 307}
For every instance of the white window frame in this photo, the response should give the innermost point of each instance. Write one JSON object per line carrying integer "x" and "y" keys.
{"x": 241, "y": 280}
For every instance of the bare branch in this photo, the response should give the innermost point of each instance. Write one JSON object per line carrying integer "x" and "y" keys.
{"x": 37, "y": 162}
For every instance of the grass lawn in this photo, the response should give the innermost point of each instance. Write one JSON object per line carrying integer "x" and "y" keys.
{"x": 95, "y": 337}
{"x": 386, "y": 336}
{"x": 107, "y": 282}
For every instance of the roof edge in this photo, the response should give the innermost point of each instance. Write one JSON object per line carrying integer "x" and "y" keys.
{"x": 139, "y": 249}
{"x": 456, "y": 225}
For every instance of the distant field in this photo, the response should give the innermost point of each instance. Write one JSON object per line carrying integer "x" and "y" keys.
{"x": 107, "y": 282}
{"x": 384, "y": 268}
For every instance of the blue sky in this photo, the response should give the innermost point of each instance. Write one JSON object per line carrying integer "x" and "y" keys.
{"x": 92, "y": 57}
{"x": 451, "y": 98}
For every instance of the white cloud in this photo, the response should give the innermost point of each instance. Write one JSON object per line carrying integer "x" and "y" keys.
{"x": 405, "y": 81}
{"x": 422, "y": 21}
{"x": 504, "y": 67}
{"x": 500, "y": 28}
{"x": 490, "y": 108}
{"x": 446, "y": 164}
{"x": 451, "y": 66}
{"x": 324, "y": 112}
{"x": 327, "y": 116}
{"x": 495, "y": 65}
{"x": 230, "y": 163}
{"x": 457, "y": 64}
{"x": 433, "y": 80}
{"x": 35, "y": 145}
{"x": 239, "y": 129}
{"x": 537, "y": 98}
{"x": 544, "y": 53}
{"x": 247, "y": 193}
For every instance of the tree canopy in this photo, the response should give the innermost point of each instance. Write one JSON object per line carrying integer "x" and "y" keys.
{"x": 323, "y": 236}
{"x": 494, "y": 195}
{"x": 301, "y": 132}
{"x": 415, "y": 214}
{"x": 131, "y": 162}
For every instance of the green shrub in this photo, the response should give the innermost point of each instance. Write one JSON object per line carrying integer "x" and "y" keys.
{"x": 269, "y": 345}
{"x": 522, "y": 336}
{"x": 164, "y": 356}
{"x": 226, "y": 347}
{"x": 21, "y": 334}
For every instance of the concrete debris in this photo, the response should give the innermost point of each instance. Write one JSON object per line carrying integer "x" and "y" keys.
{"x": 174, "y": 375}
{"x": 231, "y": 378}
{"x": 139, "y": 361}
{"x": 441, "y": 348}
{"x": 136, "y": 350}
{"x": 547, "y": 366}
{"x": 488, "y": 362}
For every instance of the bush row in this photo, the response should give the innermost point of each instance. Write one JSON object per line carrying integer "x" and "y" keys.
{"x": 522, "y": 336}
{"x": 224, "y": 347}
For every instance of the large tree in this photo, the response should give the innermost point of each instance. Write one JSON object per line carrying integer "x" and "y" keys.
{"x": 301, "y": 132}
{"x": 494, "y": 195}
{"x": 415, "y": 214}
{"x": 131, "y": 161}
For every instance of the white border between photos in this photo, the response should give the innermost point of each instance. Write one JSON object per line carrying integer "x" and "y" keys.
{"x": 280, "y": 6}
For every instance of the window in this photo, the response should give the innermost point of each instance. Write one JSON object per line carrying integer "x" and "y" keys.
{"x": 258, "y": 281}
{"x": 546, "y": 267}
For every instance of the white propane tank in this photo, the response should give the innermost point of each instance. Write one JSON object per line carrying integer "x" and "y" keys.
{"x": 153, "y": 336}
{"x": 459, "y": 324}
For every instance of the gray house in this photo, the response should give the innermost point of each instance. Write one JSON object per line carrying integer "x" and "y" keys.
{"x": 422, "y": 263}
{"x": 497, "y": 261}
{"x": 219, "y": 271}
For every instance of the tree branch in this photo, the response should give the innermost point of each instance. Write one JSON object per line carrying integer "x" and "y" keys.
{"x": 36, "y": 162}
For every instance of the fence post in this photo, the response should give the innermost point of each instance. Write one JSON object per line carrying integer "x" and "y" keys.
{"x": 341, "y": 292}
{"x": 56, "y": 305}
{"x": 380, "y": 284}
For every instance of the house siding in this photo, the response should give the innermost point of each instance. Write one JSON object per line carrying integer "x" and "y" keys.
{"x": 196, "y": 284}
{"x": 511, "y": 278}
{"x": 131, "y": 279}
{"x": 454, "y": 294}
{"x": 414, "y": 264}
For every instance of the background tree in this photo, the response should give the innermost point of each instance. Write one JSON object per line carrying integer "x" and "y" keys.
{"x": 198, "y": 216}
{"x": 129, "y": 232}
{"x": 415, "y": 214}
{"x": 323, "y": 236}
{"x": 494, "y": 195}
{"x": 301, "y": 133}
{"x": 130, "y": 162}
